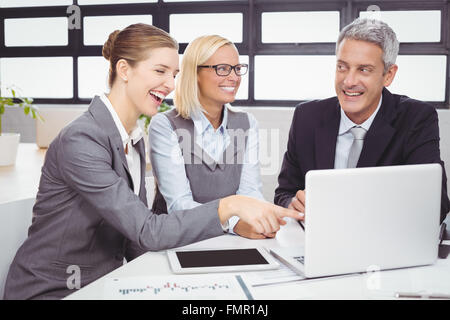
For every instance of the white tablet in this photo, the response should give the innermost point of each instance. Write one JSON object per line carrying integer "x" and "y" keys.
{"x": 220, "y": 260}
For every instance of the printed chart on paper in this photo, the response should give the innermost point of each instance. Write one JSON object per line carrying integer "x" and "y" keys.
{"x": 177, "y": 287}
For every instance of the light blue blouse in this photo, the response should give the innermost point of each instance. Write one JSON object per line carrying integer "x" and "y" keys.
{"x": 168, "y": 163}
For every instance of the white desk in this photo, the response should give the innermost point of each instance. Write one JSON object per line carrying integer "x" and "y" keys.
{"x": 433, "y": 279}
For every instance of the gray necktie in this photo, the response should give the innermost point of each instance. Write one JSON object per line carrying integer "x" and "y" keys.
{"x": 357, "y": 145}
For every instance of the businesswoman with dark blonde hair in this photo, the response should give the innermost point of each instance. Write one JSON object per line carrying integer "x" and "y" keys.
{"x": 90, "y": 210}
{"x": 206, "y": 149}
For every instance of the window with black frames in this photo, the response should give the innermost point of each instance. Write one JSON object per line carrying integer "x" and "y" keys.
{"x": 51, "y": 49}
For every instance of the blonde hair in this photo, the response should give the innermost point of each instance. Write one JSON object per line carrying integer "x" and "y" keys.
{"x": 132, "y": 44}
{"x": 186, "y": 90}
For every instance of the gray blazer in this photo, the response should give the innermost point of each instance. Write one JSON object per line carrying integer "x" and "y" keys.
{"x": 87, "y": 217}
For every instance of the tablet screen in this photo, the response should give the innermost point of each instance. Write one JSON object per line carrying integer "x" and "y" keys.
{"x": 220, "y": 258}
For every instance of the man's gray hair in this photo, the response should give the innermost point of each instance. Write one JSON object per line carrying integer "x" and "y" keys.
{"x": 374, "y": 31}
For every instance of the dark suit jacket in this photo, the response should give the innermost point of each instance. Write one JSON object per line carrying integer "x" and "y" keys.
{"x": 86, "y": 214}
{"x": 404, "y": 131}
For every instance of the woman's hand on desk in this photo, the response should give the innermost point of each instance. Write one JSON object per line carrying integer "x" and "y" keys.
{"x": 264, "y": 217}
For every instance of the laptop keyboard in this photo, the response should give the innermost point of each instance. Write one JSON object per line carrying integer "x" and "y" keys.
{"x": 300, "y": 259}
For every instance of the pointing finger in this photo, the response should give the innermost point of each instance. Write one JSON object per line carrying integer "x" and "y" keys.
{"x": 283, "y": 212}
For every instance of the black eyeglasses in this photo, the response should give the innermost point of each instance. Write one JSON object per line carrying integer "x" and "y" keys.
{"x": 224, "y": 70}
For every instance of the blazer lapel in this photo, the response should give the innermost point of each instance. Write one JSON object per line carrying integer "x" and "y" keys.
{"x": 101, "y": 114}
{"x": 119, "y": 147}
{"x": 380, "y": 133}
{"x": 325, "y": 139}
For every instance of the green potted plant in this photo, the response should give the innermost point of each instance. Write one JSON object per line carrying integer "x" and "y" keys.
{"x": 162, "y": 108}
{"x": 9, "y": 142}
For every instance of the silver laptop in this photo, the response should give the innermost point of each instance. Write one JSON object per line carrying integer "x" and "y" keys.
{"x": 368, "y": 219}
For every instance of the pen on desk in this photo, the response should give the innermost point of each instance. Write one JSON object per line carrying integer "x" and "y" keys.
{"x": 415, "y": 295}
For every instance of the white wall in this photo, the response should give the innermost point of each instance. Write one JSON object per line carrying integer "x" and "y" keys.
{"x": 274, "y": 125}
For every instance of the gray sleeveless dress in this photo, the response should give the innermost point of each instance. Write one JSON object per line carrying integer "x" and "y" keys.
{"x": 209, "y": 180}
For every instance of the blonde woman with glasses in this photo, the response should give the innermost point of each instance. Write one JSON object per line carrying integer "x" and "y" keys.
{"x": 205, "y": 149}
{"x": 91, "y": 211}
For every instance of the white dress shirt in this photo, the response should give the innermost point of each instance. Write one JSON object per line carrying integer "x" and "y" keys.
{"x": 133, "y": 158}
{"x": 345, "y": 137}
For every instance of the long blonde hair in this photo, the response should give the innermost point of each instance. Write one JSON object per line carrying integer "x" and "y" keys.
{"x": 197, "y": 53}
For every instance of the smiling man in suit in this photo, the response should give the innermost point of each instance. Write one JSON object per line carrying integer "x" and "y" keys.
{"x": 364, "y": 125}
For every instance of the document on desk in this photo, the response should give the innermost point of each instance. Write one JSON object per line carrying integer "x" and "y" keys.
{"x": 178, "y": 287}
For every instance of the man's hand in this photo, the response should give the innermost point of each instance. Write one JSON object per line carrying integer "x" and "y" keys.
{"x": 298, "y": 202}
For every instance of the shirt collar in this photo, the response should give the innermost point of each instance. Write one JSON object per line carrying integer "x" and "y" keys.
{"x": 136, "y": 133}
{"x": 346, "y": 124}
{"x": 202, "y": 123}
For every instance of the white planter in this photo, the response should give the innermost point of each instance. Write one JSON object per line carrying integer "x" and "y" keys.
{"x": 9, "y": 143}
